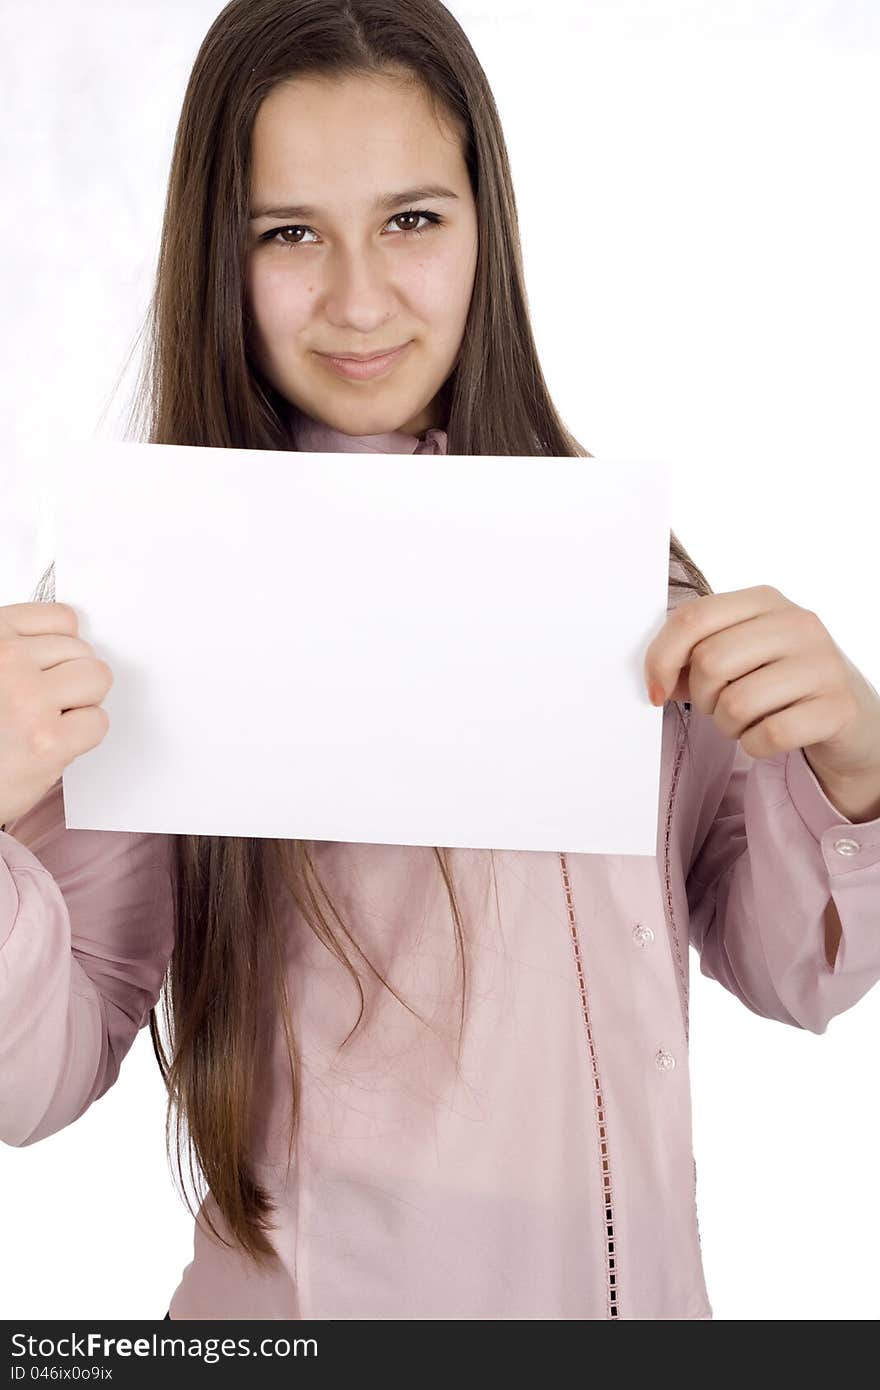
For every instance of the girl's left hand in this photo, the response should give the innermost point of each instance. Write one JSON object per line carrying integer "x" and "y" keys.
{"x": 770, "y": 674}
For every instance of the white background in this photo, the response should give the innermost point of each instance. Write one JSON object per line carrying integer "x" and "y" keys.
{"x": 700, "y": 219}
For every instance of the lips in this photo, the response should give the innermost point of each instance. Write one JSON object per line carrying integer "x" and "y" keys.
{"x": 364, "y": 369}
{"x": 361, "y": 356}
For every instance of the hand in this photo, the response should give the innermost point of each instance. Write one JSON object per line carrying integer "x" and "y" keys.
{"x": 51, "y": 688}
{"x": 769, "y": 674}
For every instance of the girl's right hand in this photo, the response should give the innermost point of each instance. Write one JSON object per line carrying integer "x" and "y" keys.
{"x": 51, "y": 686}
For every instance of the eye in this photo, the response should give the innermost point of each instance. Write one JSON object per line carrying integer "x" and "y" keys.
{"x": 432, "y": 218}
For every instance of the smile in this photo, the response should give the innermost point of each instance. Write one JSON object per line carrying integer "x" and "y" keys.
{"x": 364, "y": 369}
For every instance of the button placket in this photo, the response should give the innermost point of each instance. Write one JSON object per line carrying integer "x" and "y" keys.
{"x": 643, "y": 936}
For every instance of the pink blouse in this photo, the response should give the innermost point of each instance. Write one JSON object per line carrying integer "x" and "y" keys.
{"x": 551, "y": 1174}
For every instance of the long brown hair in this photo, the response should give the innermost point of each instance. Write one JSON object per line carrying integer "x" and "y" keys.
{"x": 199, "y": 385}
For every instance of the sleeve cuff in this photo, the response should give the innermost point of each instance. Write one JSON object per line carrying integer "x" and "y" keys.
{"x": 8, "y": 899}
{"x": 846, "y": 845}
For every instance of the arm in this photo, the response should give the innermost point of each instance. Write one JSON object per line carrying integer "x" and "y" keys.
{"x": 780, "y": 877}
{"x": 86, "y": 932}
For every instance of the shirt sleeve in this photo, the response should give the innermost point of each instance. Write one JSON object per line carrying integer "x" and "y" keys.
{"x": 771, "y": 853}
{"x": 86, "y": 932}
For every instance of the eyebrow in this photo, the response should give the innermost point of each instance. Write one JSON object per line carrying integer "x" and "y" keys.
{"x": 384, "y": 203}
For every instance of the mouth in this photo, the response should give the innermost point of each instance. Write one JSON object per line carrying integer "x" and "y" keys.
{"x": 363, "y": 368}
{"x": 363, "y": 356}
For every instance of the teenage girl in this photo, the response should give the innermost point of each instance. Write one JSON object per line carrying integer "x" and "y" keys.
{"x": 416, "y": 1083}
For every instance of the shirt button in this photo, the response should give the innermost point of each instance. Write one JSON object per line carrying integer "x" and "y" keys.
{"x": 642, "y": 935}
{"x": 664, "y": 1061}
{"x": 847, "y": 846}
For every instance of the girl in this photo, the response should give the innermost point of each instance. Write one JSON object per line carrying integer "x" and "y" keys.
{"x": 417, "y": 1084}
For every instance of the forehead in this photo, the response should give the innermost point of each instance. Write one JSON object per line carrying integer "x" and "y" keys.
{"x": 359, "y": 133}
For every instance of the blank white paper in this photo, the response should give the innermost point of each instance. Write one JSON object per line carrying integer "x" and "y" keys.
{"x": 386, "y": 648}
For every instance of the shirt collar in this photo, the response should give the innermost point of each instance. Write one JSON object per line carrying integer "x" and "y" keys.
{"x": 314, "y": 436}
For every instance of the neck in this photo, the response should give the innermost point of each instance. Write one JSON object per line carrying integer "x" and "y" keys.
{"x": 311, "y": 435}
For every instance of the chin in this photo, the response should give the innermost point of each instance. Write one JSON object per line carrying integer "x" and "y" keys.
{"x": 367, "y": 419}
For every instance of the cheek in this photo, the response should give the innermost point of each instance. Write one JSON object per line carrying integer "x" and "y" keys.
{"x": 279, "y": 301}
{"x": 440, "y": 286}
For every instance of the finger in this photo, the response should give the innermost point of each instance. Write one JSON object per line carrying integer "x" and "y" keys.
{"x": 728, "y": 655}
{"x": 53, "y": 648}
{"x": 670, "y": 650}
{"x": 84, "y": 728}
{"x": 770, "y": 690}
{"x": 34, "y": 619}
{"x": 796, "y": 726}
{"x": 78, "y": 683}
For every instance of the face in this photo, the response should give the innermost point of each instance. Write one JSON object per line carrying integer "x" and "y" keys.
{"x": 339, "y": 263}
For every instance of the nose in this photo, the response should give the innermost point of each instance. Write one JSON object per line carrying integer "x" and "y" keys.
{"x": 358, "y": 289}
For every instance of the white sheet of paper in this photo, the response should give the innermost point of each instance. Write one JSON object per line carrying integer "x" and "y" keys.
{"x": 386, "y": 648}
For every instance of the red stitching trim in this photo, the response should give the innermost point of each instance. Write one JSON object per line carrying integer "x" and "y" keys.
{"x": 669, "y": 904}
{"x": 611, "y": 1281}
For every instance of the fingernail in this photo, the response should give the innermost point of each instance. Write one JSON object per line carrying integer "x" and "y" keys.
{"x": 656, "y": 693}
